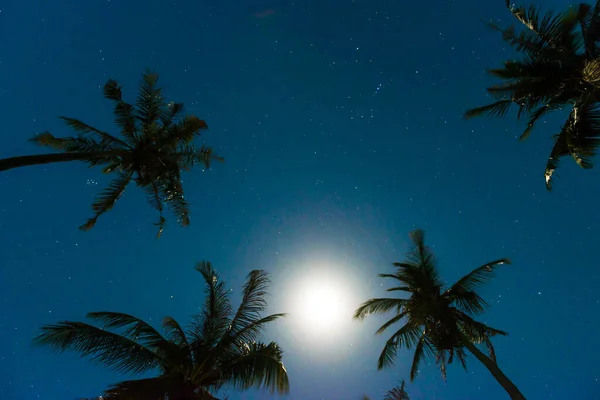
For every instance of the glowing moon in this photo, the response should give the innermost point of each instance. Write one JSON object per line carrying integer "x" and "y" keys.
{"x": 321, "y": 305}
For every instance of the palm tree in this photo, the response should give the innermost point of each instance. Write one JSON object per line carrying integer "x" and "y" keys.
{"x": 559, "y": 68}
{"x": 396, "y": 393}
{"x": 220, "y": 347}
{"x": 155, "y": 144}
{"x": 437, "y": 322}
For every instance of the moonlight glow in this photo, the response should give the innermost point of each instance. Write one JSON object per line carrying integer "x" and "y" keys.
{"x": 320, "y": 304}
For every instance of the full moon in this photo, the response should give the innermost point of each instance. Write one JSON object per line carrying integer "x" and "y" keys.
{"x": 319, "y": 304}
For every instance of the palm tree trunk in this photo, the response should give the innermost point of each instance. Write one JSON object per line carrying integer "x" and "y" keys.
{"x": 24, "y": 161}
{"x": 502, "y": 379}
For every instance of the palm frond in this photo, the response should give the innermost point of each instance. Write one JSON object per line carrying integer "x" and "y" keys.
{"x": 475, "y": 331}
{"x": 397, "y": 393}
{"x": 139, "y": 331}
{"x": 170, "y": 113}
{"x": 183, "y": 132}
{"x": 537, "y": 114}
{"x": 214, "y": 319}
{"x": 421, "y": 350}
{"x": 379, "y": 306}
{"x": 440, "y": 360}
{"x": 497, "y": 109}
{"x": 579, "y": 138}
{"x": 149, "y": 103}
{"x": 159, "y": 388}
{"x": 68, "y": 144}
{"x": 107, "y": 348}
{"x": 106, "y": 139}
{"x": 555, "y": 30}
{"x": 253, "y": 300}
{"x": 406, "y": 336}
{"x": 259, "y": 366}
{"x": 422, "y": 256}
{"x": 154, "y": 199}
{"x": 171, "y": 193}
{"x": 477, "y": 277}
{"x": 174, "y": 332}
{"x": 462, "y": 357}
{"x": 189, "y": 156}
{"x": 591, "y": 72}
{"x": 125, "y": 120}
{"x": 250, "y": 332}
{"x": 107, "y": 198}
{"x": 392, "y": 321}
{"x": 112, "y": 90}
{"x": 525, "y": 41}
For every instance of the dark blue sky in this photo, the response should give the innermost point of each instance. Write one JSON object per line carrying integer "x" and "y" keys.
{"x": 341, "y": 124}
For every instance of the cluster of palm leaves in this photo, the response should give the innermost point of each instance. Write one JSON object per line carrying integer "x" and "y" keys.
{"x": 154, "y": 146}
{"x": 221, "y": 346}
{"x": 559, "y": 68}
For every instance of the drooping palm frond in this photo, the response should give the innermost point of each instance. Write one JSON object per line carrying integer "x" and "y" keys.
{"x": 153, "y": 196}
{"x": 423, "y": 349}
{"x": 406, "y": 336}
{"x": 107, "y": 198}
{"x": 379, "y": 306}
{"x": 107, "y": 348}
{"x": 579, "y": 138}
{"x": 258, "y": 365}
{"x": 105, "y": 138}
{"x": 463, "y": 291}
{"x": 497, "y": 109}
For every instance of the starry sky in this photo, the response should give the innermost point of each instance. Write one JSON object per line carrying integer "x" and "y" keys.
{"x": 341, "y": 124}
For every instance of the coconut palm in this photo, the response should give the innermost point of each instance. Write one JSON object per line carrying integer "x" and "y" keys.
{"x": 155, "y": 144}
{"x": 220, "y": 348}
{"x": 396, "y": 393}
{"x": 437, "y": 322}
{"x": 559, "y": 69}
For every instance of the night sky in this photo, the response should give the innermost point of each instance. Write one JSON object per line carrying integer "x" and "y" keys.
{"x": 342, "y": 127}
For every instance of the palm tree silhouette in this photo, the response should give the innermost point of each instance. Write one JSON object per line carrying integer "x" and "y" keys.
{"x": 155, "y": 145}
{"x": 220, "y": 348}
{"x": 437, "y": 322}
{"x": 559, "y": 68}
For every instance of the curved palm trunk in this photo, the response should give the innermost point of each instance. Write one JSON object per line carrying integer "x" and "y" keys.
{"x": 502, "y": 379}
{"x": 24, "y": 161}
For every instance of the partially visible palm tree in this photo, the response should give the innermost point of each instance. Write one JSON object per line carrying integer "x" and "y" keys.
{"x": 220, "y": 347}
{"x": 437, "y": 322}
{"x": 396, "y": 393}
{"x": 155, "y": 144}
{"x": 559, "y": 68}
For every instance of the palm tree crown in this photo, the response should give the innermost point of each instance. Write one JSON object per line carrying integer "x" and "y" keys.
{"x": 437, "y": 322}
{"x": 560, "y": 68}
{"x": 155, "y": 144}
{"x": 220, "y": 347}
